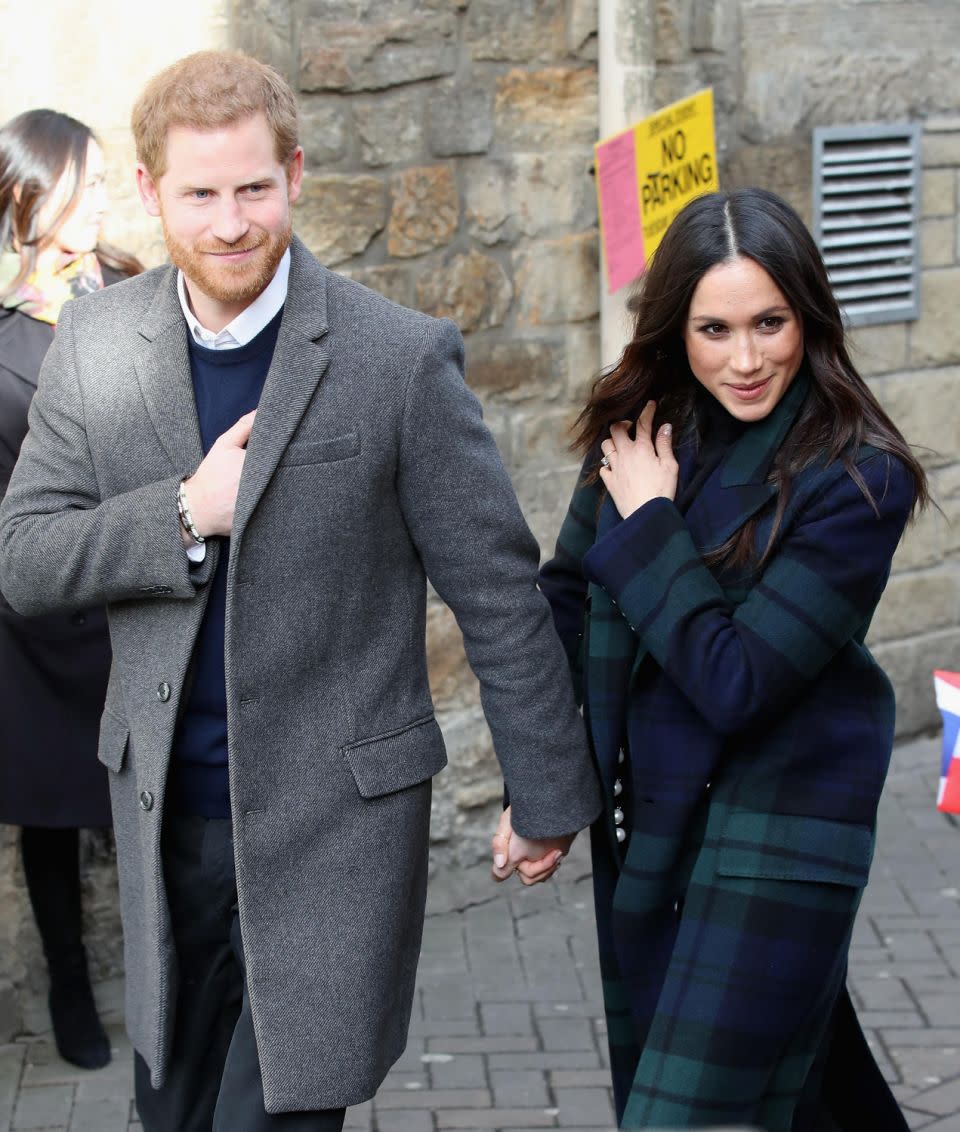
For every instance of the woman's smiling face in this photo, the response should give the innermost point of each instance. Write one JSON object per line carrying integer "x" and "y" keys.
{"x": 744, "y": 341}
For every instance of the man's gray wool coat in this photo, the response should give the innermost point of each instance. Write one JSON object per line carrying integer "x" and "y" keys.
{"x": 368, "y": 471}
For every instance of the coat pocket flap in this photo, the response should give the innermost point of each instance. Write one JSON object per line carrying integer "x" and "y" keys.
{"x": 793, "y": 847}
{"x": 397, "y": 759}
{"x": 112, "y": 748}
{"x": 322, "y": 451}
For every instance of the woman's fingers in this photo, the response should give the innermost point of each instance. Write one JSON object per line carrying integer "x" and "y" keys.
{"x": 619, "y": 438}
{"x": 645, "y": 425}
{"x": 619, "y": 434}
{"x": 500, "y": 846}
{"x": 664, "y": 443}
{"x": 669, "y": 468}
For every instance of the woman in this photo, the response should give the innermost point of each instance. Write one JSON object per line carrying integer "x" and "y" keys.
{"x": 53, "y": 670}
{"x": 732, "y": 532}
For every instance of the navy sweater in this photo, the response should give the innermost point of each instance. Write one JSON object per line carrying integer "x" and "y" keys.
{"x": 226, "y": 384}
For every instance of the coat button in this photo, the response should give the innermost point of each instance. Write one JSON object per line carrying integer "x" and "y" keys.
{"x": 617, "y": 788}
{"x": 620, "y": 757}
{"x": 78, "y": 619}
{"x": 146, "y": 800}
{"x": 621, "y": 834}
{"x": 618, "y": 816}
{"x": 163, "y": 692}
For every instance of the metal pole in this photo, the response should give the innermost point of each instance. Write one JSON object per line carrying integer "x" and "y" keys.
{"x": 626, "y": 66}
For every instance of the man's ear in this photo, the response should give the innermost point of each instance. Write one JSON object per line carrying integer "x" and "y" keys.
{"x": 147, "y": 188}
{"x": 295, "y": 175}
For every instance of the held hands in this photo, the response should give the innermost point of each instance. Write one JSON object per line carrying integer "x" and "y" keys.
{"x": 533, "y": 861}
{"x": 212, "y": 489}
{"x": 636, "y": 471}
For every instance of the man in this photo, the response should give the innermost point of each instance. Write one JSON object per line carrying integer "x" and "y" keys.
{"x": 255, "y": 464}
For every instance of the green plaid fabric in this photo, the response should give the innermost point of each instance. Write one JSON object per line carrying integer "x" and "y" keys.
{"x": 749, "y": 730}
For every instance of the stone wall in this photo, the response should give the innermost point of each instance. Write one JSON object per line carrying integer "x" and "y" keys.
{"x": 915, "y": 371}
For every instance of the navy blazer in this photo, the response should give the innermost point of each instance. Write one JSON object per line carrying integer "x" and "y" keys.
{"x": 744, "y": 730}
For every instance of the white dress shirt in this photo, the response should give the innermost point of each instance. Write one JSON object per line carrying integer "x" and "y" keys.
{"x": 249, "y": 322}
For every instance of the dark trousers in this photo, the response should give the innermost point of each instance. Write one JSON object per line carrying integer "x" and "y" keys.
{"x": 214, "y": 1082}
{"x": 51, "y": 866}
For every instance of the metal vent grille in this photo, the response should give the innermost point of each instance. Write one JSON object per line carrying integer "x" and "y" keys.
{"x": 866, "y": 192}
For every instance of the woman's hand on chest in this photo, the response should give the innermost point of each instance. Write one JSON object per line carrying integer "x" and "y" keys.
{"x": 636, "y": 471}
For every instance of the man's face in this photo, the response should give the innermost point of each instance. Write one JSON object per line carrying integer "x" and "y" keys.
{"x": 225, "y": 204}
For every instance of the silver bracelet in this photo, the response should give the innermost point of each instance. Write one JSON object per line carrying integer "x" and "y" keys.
{"x": 186, "y": 519}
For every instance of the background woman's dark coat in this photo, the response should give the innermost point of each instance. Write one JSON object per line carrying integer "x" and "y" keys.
{"x": 53, "y": 669}
{"x": 743, "y": 730}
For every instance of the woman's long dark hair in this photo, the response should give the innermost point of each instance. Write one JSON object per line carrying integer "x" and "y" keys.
{"x": 35, "y": 149}
{"x": 839, "y": 415}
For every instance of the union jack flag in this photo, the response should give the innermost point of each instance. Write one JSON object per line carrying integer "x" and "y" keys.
{"x": 947, "y": 685}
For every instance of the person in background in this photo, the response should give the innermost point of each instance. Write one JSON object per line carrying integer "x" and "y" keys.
{"x": 53, "y": 668}
{"x": 728, "y": 541}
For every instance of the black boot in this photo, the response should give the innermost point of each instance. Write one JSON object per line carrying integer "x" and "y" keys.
{"x": 51, "y": 864}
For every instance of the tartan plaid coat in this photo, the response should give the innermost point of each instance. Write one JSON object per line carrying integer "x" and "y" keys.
{"x": 744, "y": 730}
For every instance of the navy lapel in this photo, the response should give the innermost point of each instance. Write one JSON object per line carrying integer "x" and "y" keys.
{"x": 163, "y": 371}
{"x": 299, "y": 361}
{"x": 738, "y": 487}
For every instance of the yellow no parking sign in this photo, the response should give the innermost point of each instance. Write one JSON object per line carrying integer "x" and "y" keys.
{"x": 646, "y": 174}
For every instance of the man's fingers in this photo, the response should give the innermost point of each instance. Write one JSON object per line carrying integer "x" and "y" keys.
{"x": 536, "y": 869}
{"x": 535, "y": 872}
{"x": 238, "y": 433}
{"x": 533, "y": 860}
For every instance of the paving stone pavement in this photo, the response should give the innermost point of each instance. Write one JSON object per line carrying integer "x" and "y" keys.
{"x": 508, "y": 1030}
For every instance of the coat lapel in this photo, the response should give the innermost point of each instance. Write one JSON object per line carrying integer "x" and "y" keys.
{"x": 299, "y": 362}
{"x": 738, "y": 487}
{"x": 163, "y": 371}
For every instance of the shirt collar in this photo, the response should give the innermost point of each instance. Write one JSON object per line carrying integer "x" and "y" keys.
{"x": 249, "y": 322}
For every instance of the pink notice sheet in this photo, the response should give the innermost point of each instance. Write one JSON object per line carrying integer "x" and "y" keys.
{"x": 622, "y": 232}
